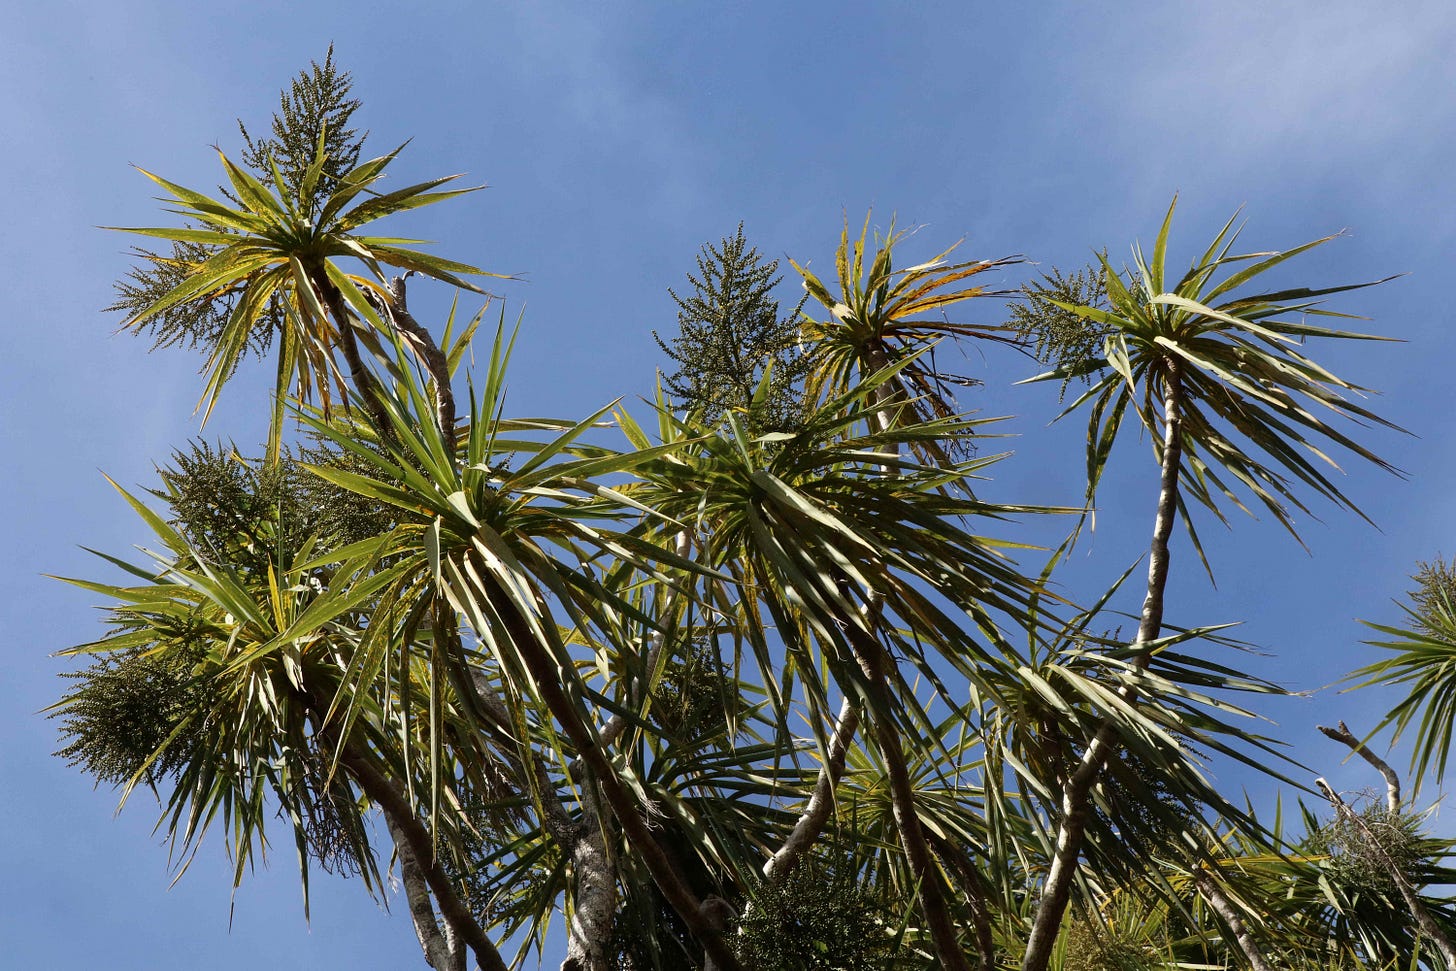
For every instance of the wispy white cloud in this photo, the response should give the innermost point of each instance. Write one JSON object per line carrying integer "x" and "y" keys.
{"x": 584, "y": 71}
{"x": 1251, "y": 87}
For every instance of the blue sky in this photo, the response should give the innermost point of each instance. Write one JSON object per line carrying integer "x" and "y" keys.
{"x": 617, "y": 139}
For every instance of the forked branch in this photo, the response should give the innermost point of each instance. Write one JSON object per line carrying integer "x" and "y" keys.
{"x": 1372, "y": 842}
{"x": 1343, "y": 735}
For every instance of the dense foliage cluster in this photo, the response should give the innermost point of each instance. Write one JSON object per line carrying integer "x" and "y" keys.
{"x": 731, "y": 338}
{"x": 758, "y": 680}
{"x": 819, "y": 918}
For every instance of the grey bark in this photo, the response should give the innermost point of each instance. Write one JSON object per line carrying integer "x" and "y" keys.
{"x": 594, "y": 878}
{"x": 1210, "y": 890}
{"x": 1343, "y": 735}
{"x": 675, "y": 890}
{"x": 1076, "y": 795}
{"x": 385, "y": 794}
{"x": 593, "y": 871}
{"x": 821, "y": 803}
{"x": 441, "y": 949}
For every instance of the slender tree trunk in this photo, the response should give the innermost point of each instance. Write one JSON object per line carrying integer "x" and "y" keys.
{"x": 1210, "y": 890}
{"x": 875, "y": 662}
{"x": 366, "y": 386}
{"x": 1076, "y": 795}
{"x": 675, "y": 890}
{"x": 595, "y": 875}
{"x": 419, "y": 869}
{"x": 594, "y": 882}
{"x": 419, "y": 866}
{"x": 821, "y": 803}
{"x": 593, "y": 871}
{"x": 878, "y": 667}
{"x": 975, "y": 890}
{"x": 441, "y": 950}
{"x": 385, "y": 794}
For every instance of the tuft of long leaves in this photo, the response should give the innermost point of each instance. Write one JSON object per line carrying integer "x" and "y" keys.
{"x": 1420, "y": 660}
{"x": 1258, "y": 417}
{"x": 269, "y": 253}
{"x": 880, "y": 316}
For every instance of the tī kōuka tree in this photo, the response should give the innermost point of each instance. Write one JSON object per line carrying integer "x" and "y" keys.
{"x": 1220, "y": 381}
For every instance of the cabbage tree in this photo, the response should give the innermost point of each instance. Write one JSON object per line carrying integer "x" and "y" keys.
{"x": 1216, "y": 373}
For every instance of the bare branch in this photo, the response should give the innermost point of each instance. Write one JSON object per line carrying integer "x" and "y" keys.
{"x": 1397, "y": 874}
{"x": 1343, "y": 735}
